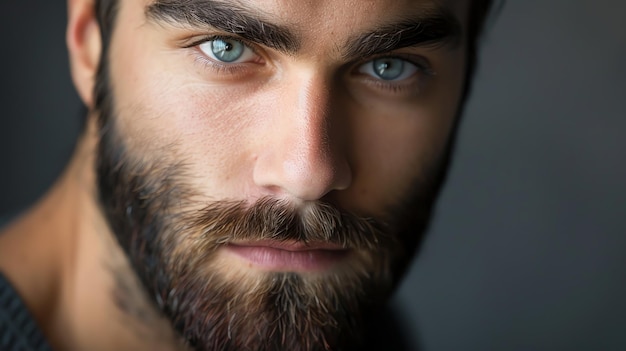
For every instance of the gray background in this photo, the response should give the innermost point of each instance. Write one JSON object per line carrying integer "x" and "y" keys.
{"x": 528, "y": 248}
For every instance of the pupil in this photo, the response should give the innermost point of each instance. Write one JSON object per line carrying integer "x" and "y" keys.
{"x": 383, "y": 67}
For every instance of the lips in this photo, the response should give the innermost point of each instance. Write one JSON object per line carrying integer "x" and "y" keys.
{"x": 289, "y": 256}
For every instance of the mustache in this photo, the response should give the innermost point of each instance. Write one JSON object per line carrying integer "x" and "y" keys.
{"x": 225, "y": 222}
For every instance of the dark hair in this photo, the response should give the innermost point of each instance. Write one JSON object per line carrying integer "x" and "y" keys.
{"x": 479, "y": 12}
{"x": 106, "y": 14}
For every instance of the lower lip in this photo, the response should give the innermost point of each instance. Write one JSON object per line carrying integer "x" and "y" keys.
{"x": 276, "y": 259}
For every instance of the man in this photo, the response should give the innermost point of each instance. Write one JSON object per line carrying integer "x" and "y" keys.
{"x": 254, "y": 175}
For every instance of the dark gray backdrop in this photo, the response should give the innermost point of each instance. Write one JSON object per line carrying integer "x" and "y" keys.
{"x": 528, "y": 248}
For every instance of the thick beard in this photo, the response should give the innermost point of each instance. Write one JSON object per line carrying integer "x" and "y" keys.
{"x": 217, "y": 308}
{"x": 171, "y": 242}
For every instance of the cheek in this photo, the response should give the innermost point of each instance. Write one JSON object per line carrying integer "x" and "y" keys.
{"x": 389, "y": 159}
{"x": 397, "y": 147}
{"x": 165, "y": 115}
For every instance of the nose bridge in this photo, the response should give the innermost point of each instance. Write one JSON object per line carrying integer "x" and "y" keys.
{"x": 302, "y": 160}
{"x": 311, "y": 118}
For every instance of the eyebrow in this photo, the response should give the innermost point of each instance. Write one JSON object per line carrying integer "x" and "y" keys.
{"x": 434, "y": 28}
{"x": 229, "y": 18}
{"x": 438, "y": 27}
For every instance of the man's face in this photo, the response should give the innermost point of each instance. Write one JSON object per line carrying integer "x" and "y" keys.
{"x": 277, "y": 155}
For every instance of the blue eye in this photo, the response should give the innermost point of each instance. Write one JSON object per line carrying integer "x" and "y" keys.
{"x": 389, "y": 68}
{"x": 227, "y": 50}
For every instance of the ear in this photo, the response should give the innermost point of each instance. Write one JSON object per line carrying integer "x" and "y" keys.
{"x": 84, "y": 46}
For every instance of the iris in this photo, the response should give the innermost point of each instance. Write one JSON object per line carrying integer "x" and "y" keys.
{"x": 227, "y": 50}
{"x": 388, "y": 68}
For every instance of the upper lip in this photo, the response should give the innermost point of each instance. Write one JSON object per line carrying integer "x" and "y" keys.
{"x": 291, "y": 245}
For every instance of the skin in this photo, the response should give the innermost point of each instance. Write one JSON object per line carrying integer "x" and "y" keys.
{"x": 296, "y": 127}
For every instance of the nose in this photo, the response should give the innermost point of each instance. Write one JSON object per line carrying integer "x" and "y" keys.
{"x": 300, "y": 158}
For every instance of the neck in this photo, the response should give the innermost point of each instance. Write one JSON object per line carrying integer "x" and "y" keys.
{"x": 71, "y": 273}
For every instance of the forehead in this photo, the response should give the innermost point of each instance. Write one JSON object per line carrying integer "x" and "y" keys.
{"x": 349, "y": 13}
{"x": 332, "y": 16}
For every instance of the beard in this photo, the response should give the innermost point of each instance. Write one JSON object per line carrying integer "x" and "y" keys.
{"x": 173, "y": 240}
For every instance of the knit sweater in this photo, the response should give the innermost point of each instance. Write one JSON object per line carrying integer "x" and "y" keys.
{"x": 18, "y": 330}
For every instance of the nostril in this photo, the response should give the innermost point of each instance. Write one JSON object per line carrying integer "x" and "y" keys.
{"x": 343, "y": 176}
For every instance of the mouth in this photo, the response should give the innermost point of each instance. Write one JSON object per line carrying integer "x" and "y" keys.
{"x": 290, "y": 256}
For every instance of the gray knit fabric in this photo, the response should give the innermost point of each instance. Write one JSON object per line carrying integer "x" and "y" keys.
{"x": 18, "y": 331}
